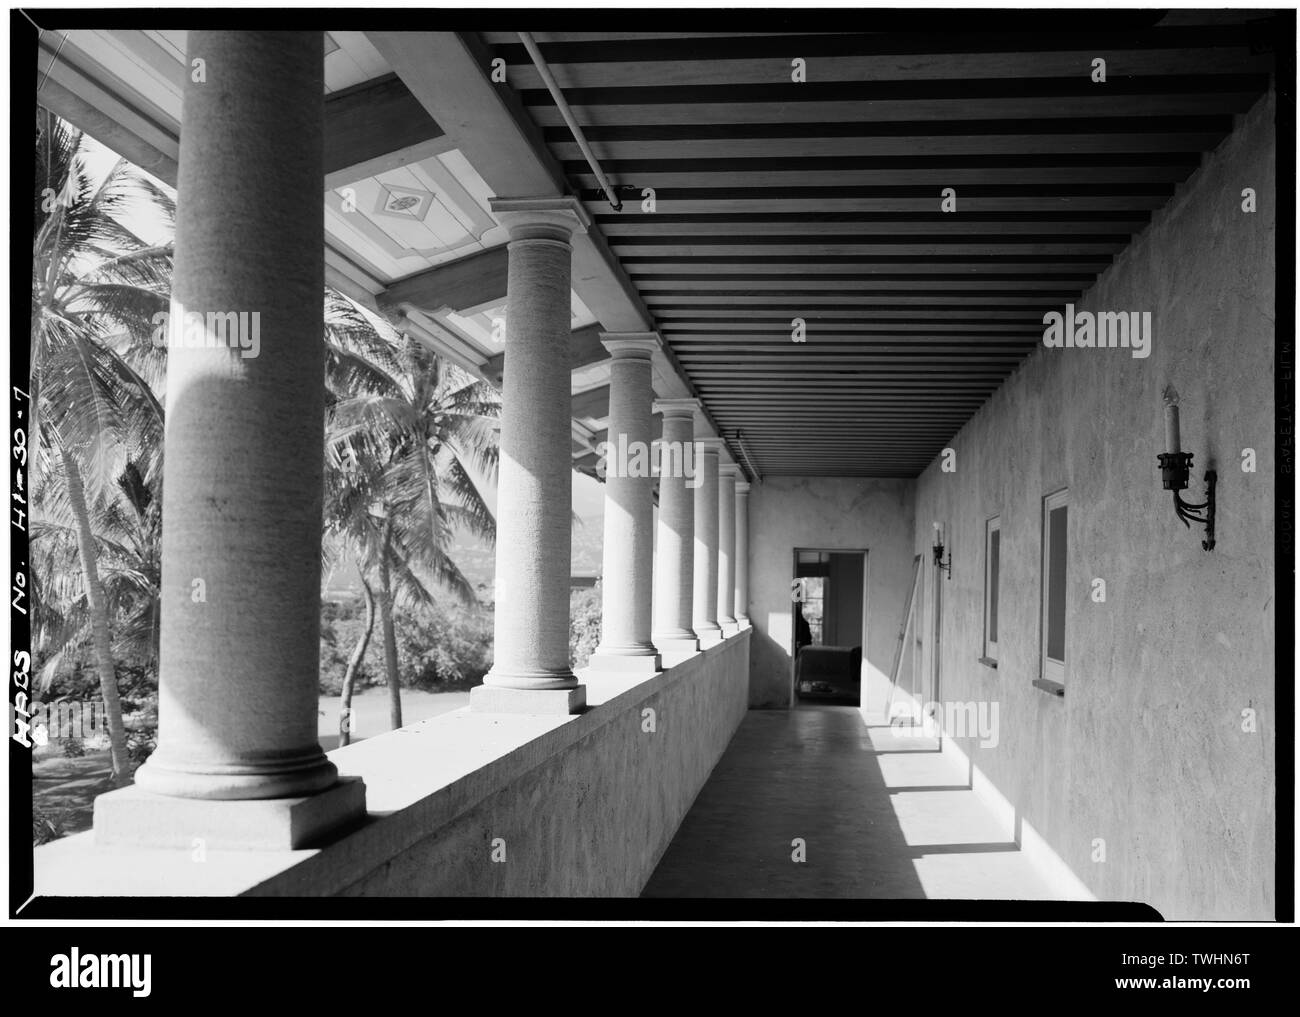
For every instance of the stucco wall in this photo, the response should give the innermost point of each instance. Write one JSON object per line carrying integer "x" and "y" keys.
{"x": 829, "y": 514}
{"x": 588, "y": 811}
{"x": 1146, "y": 749}
{"x": 479, "y": 804}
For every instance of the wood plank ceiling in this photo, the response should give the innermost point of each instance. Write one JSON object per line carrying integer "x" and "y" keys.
{"x": 820, "y": 200}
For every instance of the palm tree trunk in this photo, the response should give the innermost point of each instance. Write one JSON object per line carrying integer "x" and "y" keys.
{"x": 101, "y": 638}
{"x": 346, "y": 720}
{"x": 390, "y": 634}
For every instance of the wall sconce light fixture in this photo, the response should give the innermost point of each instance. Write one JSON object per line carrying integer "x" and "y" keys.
{"x": 1175, "y": 465}
{"x": 939, "y": 563}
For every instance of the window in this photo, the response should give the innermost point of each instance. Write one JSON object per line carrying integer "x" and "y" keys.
{"x": 1055, "y": 528}
{"x": 814, "y": 607}
{"x": 813, "y": 568}
{"x": 992, "y": 563}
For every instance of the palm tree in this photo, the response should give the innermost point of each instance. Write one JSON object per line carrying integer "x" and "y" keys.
{"x": 405, "y": 430}
{"x": 96, "y": 288}
{"x": 128, "y": 550}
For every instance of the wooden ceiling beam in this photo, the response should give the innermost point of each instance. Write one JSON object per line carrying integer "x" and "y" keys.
{"x": 1027, "y": 99}
{"x": 585, "y": 348}
{"x": 855, "y": 67}
{"x": 769, "y": 227}
{"x": 373, "y": 127}
{"x": 911, "y": 34}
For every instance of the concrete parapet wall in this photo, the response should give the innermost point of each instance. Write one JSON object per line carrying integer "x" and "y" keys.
{"x": 569, "y": 806}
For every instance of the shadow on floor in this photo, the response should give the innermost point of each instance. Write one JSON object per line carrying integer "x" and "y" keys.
{"x": 881, "y": 814}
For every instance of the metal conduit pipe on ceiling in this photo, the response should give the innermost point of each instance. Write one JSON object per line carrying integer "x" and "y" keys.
{"x": 549, "y": 80}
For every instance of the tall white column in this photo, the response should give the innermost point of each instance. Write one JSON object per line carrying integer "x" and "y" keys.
{"x": 628, "y": 554}
{"x": 742, "y": 553}
{"x": 238, "y": 763}
{"x": 673, "y": 631}
{"x": 727, "y": 548}
{"x": 531, "y": 669}
{"x": 705, "y": 599}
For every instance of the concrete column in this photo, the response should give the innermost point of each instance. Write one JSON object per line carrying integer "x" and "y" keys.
{"x": 531, "y": 669}
{"x": 674, "y": 557}
{"x": 705, "y": 597}
{"x": 727, "y": 548}
{"x": 628, "y": 556}
{"x": 742, "y": 553}
{"x": 240, "y": 604}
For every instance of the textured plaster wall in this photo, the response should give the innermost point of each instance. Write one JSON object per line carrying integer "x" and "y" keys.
{"x": 829, "y": 514}
{"x": 586, "y": 809}
{"x": 1146, "y": 749}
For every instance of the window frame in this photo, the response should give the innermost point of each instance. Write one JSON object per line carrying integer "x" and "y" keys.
{"x": 992, "y": 601}
{"x": 1053, "y": 672}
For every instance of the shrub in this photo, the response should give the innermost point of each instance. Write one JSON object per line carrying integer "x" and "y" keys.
{"x": 47, "y": 825}
{"x": 73, "y": 748}
{"x": 342, "y": 623}
{"x": 584, "y": 624}
{"x": 140, "y": 744}
{"x": 448, "y": 647}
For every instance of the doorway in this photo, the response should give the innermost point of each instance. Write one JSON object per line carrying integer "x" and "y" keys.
{"x": 828, "y": 593}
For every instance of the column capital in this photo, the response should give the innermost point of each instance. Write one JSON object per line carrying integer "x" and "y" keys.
{"x": 555, "y": 217}
{"x": 742, "y": 486}
{"x": 631, "y": 345}
{"x": 713, "y": 445}
{"x": 682, "y": 409}
{"x": 730, "y": 470}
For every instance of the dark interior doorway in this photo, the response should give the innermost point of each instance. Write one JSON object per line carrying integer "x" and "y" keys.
{"x": 828, "y": 615}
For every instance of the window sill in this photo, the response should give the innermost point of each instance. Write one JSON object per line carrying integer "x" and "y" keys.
{"x": 1050, "y": 687}
{"x": 989, "y": 662}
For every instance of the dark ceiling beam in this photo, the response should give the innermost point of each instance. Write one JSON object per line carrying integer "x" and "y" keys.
{"x": 373, "y": 127}
{"x": 913, "y": 34}
{"x": 738, "y": 318}
{"x": 721, "y": 200}
{"x": 585, "y": 348}
{"x": 593, "y": 403}
{"x": 703, "y": 146}
{"x": 737, "y": 401}
{"x": 696, "y": 264}
{"x": 858, "y": 67}
{"x": 863, "y": 224}
{"x": 721, "y": 291}
{"x": 920, "y": 292}
{"x": 839, "y": 248}
{"x": 972, "y": 93}
{"x": 370, "y": 127}
{"x": 1079, "y": 186}
{"x": 776, "y": 331}
{"x": 656, "y": 431}
{"x": 466, "y": 282}
{"x": 1028, "y": 105}
{"x": 746, "y": 179}
{"x": 987, "y": 132}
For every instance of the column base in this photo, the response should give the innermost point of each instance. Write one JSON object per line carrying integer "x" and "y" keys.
{"x": 729, "y": 627}
{"x": 677, "y": 644}
{"x": 709, "y": 637}
{"x": 542, "y": 702}
{"x": 674, "y": 650}
{"x": 136, "y": 818}
{"x": 616, "y": 663}
{"x": 743, "y": 621}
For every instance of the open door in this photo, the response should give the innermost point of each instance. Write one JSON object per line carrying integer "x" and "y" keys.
{"x": 828, "y": 615}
